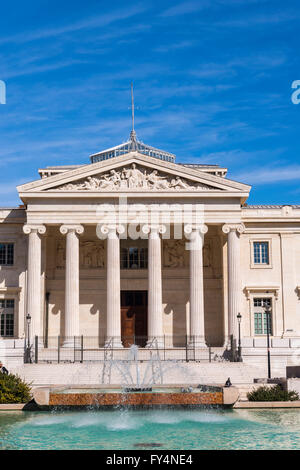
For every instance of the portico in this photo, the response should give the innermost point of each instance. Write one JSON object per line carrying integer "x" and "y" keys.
{"x": 184, "y": 254}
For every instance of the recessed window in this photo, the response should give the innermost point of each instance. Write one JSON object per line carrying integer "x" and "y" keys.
{"x": 6, "y": 254}
{"x": 260, "y": 316}
{"x": 134, "y": 258}
{"x": 261, "y": 253}
{"x": 7, "y": 317}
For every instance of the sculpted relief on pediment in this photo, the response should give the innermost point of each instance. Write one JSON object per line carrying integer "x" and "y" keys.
{"x": 133, "y": 177}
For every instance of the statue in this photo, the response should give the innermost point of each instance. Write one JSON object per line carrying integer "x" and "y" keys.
{"x": 158, "y": 182}
{"x": 179, "y": 184}
{"x": 133, "y": 176}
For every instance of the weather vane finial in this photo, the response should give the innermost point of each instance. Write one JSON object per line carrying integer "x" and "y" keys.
{"x": 132, "y": 133}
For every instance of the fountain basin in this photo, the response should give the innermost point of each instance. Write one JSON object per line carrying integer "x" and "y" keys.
{"x": 99, "y": 397}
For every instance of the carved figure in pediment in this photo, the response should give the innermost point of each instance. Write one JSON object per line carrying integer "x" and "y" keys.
{"x": 106, "y": 182}
{"x": 60, "y": 255}
{"x": 115, "y": 177}
{"x": 174, "y": 254}
{"x": 91, "y": 183}
{"x": 134, "y": 176}
{"x": 177, "y": 183}
{"x": 158, "y": 182}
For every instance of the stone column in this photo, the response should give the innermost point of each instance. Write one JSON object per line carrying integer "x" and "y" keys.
{"x": 234, "y": 278}
{"x": 196, "y": 243}
{"x": 155, "y": 321}
{"x": 34, "y": 274}
{"x": 113, "y": 308}
{"x": 72, "y": 281}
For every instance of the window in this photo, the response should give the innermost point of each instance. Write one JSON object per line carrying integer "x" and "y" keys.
{"x": 7, "y": 317}
{"x": 260, "y": 316}
{"x": 6, "y": 254}
{"x": 261, "y": 252}
{"x": 134, "y": 258}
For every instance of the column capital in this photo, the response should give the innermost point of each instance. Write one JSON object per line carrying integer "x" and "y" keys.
{"x": 240, "y": 228}
{"x": 201, "y": 228}
{"x": 78, "y": 229}
{"x": 108, "y": 229}
{"x": 154, "y": 228}
{"x": 34, "y": 228}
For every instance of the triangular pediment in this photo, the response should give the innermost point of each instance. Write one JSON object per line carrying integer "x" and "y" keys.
{"x": 132, "y": 172}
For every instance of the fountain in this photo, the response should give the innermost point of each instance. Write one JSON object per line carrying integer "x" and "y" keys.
{"x": 137, "y": 386}
{"x": 130, "y": 371}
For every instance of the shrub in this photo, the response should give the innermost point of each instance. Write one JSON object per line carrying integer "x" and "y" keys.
{"x": 13, "y": 389}
{"x": 275, "y": 393}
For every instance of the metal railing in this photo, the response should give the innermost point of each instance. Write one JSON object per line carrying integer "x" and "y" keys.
{"x": 76, "y": 349}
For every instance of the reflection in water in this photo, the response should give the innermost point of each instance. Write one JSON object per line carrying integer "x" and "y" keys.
{"x": 171, "y": 429}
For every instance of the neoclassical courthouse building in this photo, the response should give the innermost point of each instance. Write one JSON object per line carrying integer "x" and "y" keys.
{"x": 135, "y": 246}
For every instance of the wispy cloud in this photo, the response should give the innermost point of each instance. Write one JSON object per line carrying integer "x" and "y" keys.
{"x": 230, "y": 68}
{"x": 240, "y": 156}
{"x": 35, "y": 69}
{"x": 280, "y": 16}
{"x": 185, "y": 8}
{"x": 102, "y": 20}
{"x": 270, "y": 175}
{"x": 176, "y": 46}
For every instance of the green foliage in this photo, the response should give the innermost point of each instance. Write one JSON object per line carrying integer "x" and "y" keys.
{"x": 13, "y": 389}
{"x": 275, "y": 393}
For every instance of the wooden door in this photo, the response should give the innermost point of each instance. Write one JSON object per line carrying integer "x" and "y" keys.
{"x": 127, "y": 326}
{"x": 134, "y": 318}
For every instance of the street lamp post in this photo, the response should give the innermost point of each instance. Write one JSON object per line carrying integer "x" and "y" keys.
{"x": 1, "y": 311}
{"x": 267, "y": 308}
{"x": 28, "y": 346}
{"x": 239, "y": 318}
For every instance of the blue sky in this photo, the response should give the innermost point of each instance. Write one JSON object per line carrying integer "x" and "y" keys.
{"x": 212, "y": 84}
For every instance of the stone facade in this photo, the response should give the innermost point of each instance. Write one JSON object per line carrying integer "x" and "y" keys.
{"x": 67, "y": 270}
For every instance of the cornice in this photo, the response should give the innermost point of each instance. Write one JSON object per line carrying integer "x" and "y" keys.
{"x": 262, "y": 289}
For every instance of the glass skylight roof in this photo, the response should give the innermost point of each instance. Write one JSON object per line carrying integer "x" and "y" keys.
{"x": 132, "y": 145}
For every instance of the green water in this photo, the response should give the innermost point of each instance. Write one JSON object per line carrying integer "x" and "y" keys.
{"x": 156, "y": 429}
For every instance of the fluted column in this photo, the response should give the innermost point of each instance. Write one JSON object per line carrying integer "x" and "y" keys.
{"x": 234, "y": 278}
{"x": 72, "y": 281}
{"x": 33, "y": 302}
{"x": 113, "y": 325}
{"x": 197, "y": 324}
{"x": 155, "y": 321}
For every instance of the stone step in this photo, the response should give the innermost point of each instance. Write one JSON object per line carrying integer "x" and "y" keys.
{"x": 70, "y": 374}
